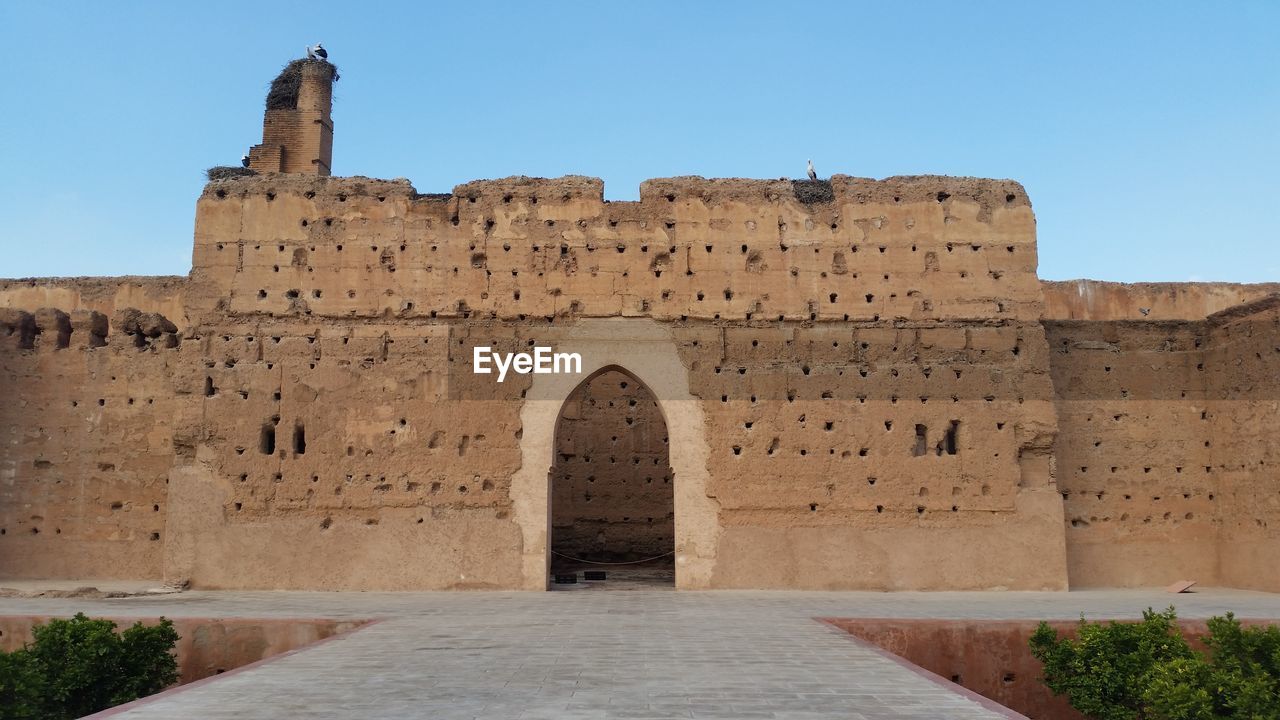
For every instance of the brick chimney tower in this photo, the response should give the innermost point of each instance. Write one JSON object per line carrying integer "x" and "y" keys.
{"x": 297, "y": 132}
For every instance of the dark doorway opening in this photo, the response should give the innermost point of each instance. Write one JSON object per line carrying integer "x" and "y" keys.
{"x": 612, "y": 499}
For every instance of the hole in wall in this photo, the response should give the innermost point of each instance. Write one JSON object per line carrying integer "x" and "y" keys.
{"x": 921, "y": 441}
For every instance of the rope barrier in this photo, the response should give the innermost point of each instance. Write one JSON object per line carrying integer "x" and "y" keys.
{"x": 631, "y": 562}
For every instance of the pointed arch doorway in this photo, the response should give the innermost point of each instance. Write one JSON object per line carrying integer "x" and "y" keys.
{"x": 649, "y": 353}
{"x": 612, "y": 499}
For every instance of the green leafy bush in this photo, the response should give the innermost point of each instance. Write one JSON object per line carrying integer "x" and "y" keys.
{"x": 21, "y": 686}
{"x": 1147, "y": 671}
{"x": 79, "y": 666}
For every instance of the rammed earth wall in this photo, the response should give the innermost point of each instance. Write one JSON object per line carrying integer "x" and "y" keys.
{"x": 859, "y": 382}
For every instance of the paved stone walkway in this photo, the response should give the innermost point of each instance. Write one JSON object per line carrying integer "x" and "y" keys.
{"x": 601, "y": 655}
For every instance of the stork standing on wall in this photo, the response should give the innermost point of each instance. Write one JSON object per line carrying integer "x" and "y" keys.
{"x": 813, "y": 174}
{"x": 317, "y": 52}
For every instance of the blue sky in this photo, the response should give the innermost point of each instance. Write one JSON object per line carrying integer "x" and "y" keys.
{"x": 1147, "y": 133}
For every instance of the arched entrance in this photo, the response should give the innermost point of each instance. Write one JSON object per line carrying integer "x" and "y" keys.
{"x": 612, "y": 500}
{"x": 649, "y": 353}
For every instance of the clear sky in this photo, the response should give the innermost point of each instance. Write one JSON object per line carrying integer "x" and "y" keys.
{"x": 1147, "y": 133}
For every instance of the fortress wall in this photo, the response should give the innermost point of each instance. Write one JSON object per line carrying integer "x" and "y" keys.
{"x": 1166, "y": 448}
{"x": 831, "y": 463}
{"x": 359, "y": 303}
{"x": 345, "y": 456}
{"x": 1243, "y": 361}
{"x": 882, "y": 399}
{"x": 856, "y": 249}
{"x": 106, "y": 295}
{"x": 405, "y": 476}
{"x": 1134, "y": 452}
{"x": 1098, "y": 300}
{"x": 88, "y": 443}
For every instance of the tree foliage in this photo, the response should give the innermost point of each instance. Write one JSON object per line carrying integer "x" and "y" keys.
{"x": 1148, "y": 671}
{"x": 79, "y": 666}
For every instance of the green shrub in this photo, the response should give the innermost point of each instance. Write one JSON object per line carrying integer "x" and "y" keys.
{"x": 21, "y": 686}
{"x": 1147, "y": 671}
{"x": 80, "y": 666}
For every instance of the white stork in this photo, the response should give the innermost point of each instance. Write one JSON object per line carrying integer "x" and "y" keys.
{"x": 813, "y": 174}
{"x": 317, "y": 52}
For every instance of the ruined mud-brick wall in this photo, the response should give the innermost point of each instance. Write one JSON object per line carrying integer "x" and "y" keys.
{"x": 331, "y": 455}
{"x": 105, "y": 295}
{"x": 1164, "y": 451}
{"x": 87, "y": 437}
{"x": 1134, "y": 452}
{"x": 867, "y": 354}
{"x": 868, "y": 357}
{"x": 1243, "y": 359}
{"x": 863, "y": 456}
{"x": 611, "y": 482}
{"x": 1110, "y": 301}
{"x": 927, "y": 248}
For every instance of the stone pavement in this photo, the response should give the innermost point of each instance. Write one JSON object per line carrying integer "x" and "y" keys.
{"x": 600, "y": 654}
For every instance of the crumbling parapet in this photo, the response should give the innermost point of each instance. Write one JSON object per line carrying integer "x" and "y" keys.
{"x": 58, "y": 329}
{"x": 147, "y": 329}
{"x": 91, "y": 325}
{"x": 19, "y": 327}
{"x": 53, "y": 326}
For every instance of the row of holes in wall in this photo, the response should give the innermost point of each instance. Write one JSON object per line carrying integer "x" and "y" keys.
{"x": 840, "y": 296}
{"x": 756, "y": 310}
{"x": 791, "y": 394}
{"x": 115, "y": 506}
{"x": 620, "y": 247}
{"x": 907, "y": 509}
{"x": 102, "y": 402}
{"x": 267, "y": 437}
{"x": 947, "y": 444}
{"x": 380, "y": 483}
{"x": 940, "y": 196}
{"x": 376, "y": 485}
{"x": 926, "y": 371}
{"x": 1079, "y": 522}
{"x": 35, "y": 531}
{"x": 664, "y": 261}
{"x": 327, "y": 521}
{"x": 866, "y": 225}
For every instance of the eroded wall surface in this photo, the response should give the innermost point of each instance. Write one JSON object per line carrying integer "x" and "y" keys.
{"x": 878, "y": 401}
{"x": 1134, "y": 452}
{"x": 850, "y": 311}
{"x": 1098, "y": 300}
{"x": 904, "y": 457}
{"x": 333, "y": 456}
{"x": 1165, "y": 451}
{"x": 1243, "y": 359}
{"x": 105, "y": 295}
{"x": 87, "y": 427}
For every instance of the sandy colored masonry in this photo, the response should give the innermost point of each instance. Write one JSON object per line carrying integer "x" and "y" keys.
{"x": 853, "y": 384}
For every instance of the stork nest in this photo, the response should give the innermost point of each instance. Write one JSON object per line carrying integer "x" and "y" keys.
{"x": 283, "y": 94}
{"x": 813, "y": 191}
{"x": 224, "y": 172}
